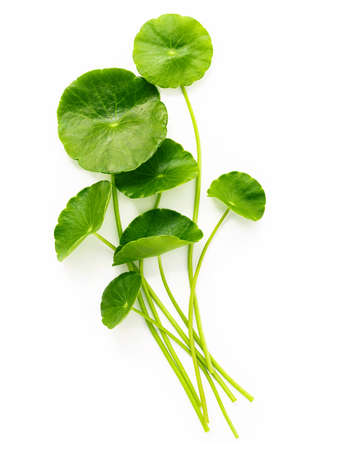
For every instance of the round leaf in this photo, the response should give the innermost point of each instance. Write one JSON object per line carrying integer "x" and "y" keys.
{"x": 82, "y": 216}
{"x": 111, "y": 121}
{"x": 118, "y": 298}
{"x": 172, "y": 51}
{"x": 155, "y": 232}
{"x": 241, "y": 193}
{"x": 169, "y": 167}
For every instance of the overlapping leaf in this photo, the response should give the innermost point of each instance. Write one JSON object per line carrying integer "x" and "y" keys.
{"x": 119, "y": 297}
{"x": 172, "y": 51}
{"x": 169, "y": 167}
{"x": 155, "y": 232}
{"x": 111, "y": 121}
{"x": 241, "y": 193}
{"x": 82, "y": 216}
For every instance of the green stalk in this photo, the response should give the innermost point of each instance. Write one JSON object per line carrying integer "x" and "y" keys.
{"x": 194, "y": 359}
{"x": 184, "y": 318}
{"x": 170, "y": 295}
{"x": 203, "y": 368}
{"x": 217, "y": 366}
{"x": 201, "y": 359}
{"x": 197, "y": 340}
{"x": 105, "y": 241}
{"x": 173, "y": 365}
{"x": 199, "y": 381}
{"x": 194, "y": 306}
{"x": 179, "y": 330}
{"x": 193, "y": 298}
{"x": 116, "y": 207}
{"x": 166, "y": 340}
{"x": 205, "y": 248}
{"x": 199, "y": 164}
{"x": 157, "y": 201}
{"x": 220, "y": 403}
{"x": 151, "y": 328}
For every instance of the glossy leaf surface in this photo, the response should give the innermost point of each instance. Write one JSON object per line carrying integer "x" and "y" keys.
{"x": 118, "y": 298}
{"x": 241, "y": 193}
{"x": 155, "y": 232}
{"x": 82, "y": 216}
{"x": 172, "y": 51}
{"x": 169, "y": 167}
{"x": 111, "y": 121}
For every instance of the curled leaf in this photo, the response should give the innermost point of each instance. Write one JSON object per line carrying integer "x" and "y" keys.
{"x": 111, "y": 121}
{"x": 119, "y": 297}
{"x": 241, "y": 193}
{"x": 169, "y": 167}
{"x": 172, "y": 51}
{"x": 155, "y": 232}
{"x": 82, "y": 216}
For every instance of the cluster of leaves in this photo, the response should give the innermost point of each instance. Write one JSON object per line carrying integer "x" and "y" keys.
{"x": 113, "y": 122}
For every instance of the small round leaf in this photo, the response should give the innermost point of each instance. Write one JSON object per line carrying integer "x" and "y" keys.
{"x": 118, "y": 298}
{"x": 172, "y": 51}
{"x": 155, "y": 232}
{"x": 169, "y": 167}
{"x": 111, "y": 121}
{"x": 241, "y": 193}
{"x": 82, "y": 216}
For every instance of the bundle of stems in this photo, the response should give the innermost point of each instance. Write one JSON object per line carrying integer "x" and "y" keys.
{"x": 192, "y": 341}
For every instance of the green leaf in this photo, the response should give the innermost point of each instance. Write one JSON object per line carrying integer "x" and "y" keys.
{"x": 241, "y": 193}
{"x": 118, "y": 298}
{"x": 111, "y": 121}
{"x": 155, "y": 232}
{"x": 172, "y": 51}
{"x": 82, "y": 216}
{"x": 169, "y": 167}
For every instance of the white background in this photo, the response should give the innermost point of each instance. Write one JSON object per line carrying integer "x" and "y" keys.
{"x": 268, "y": 290}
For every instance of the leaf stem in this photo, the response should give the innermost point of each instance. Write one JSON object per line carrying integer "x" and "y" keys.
{"x": 116, "y": 206}
{"x": 205, "y": 248}
{"x": 197, "y": 181}
{"x": 151, "y": 328}
{"x": 166, "y": 340}
{"x": 193, "y": 298}
{"x": 172, "y": 364}
{"x": 181, "y": 333}
{"x": 105, "y": 241}
{"x": 194, "y": 306}
{"x": 201, "y": 359}
{"x": 168, "y": 290}
{"x": 157, "y": 201}
{"x": 199, "y": 157}
{"x": 194, "y": 359}
{"x": 217, "y": 366}
{"x": 200, "y": 332}
{"x": 179, "y": 330}
{"x": 191, "y": 345}
{"x": 202, "y": 365}
{"x": 220, "y": 403}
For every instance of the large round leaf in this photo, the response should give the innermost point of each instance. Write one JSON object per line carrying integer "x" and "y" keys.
{"x": 111, "y": 121}
{"x": 169, "y": 167}
{"x": 118, "y": 298}
{"x": 155, "y": 232}
{"x": 241, "y": 193}
{"x": 172, "y": 51}
{"x": 82, "y": 216}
